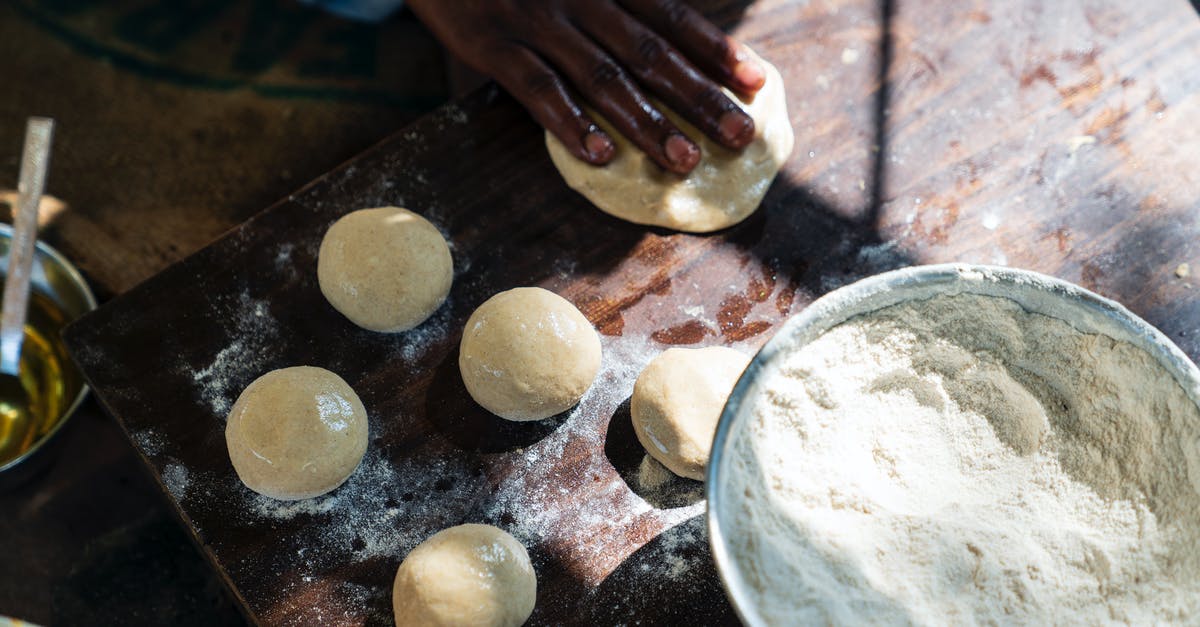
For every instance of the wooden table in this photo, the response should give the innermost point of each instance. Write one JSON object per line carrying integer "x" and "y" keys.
{"x": 1059, "y": 138}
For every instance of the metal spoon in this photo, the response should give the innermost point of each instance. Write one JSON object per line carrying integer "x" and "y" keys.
{"x": 14, "y": 398}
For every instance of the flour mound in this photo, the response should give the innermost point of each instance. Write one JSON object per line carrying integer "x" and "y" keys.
{"x": 960, "y": 460}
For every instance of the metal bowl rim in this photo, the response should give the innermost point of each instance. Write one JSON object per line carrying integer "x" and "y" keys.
{"x": 828, "y": 306}
{"x": 77, "y": 280}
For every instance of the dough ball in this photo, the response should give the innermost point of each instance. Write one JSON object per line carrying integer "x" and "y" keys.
{"x": 465, "y": 576}
{"x": 528, "y": 354}
{"x": 385, "y": 269}
{"x": 723, "y": 190}
{"x": 677, "y": 401}
{"x": 296, "y": 433}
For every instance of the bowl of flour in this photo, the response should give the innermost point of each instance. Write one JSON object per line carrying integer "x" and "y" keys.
{"x": 956, "y": 445}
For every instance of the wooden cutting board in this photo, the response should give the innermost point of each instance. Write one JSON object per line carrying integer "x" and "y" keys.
{"x": 1051, "y": 137}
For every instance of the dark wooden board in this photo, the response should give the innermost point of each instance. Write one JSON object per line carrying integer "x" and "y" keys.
{"x": 1051, "y": 137}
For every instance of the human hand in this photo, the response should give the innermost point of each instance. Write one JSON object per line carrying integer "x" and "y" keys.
{"x": 613, "y": 55}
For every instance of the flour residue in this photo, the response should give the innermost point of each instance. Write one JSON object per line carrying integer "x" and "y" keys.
{"x": 175, "y": 477}
{"x": 551, "y": 497}
{"x": 363, "y": 518}
{"x": 371, "y": 515}
{"x": 149, "y": 441}
{"x": 540, "y": 505}
{"x": 253, "y": 330}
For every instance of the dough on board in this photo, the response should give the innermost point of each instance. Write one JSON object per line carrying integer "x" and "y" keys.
{"x": 677, "y": 401}
{"x": 296, "y": 433}
{"x": 386, "y": 269}
{"x": 528, "y": 354}
{"x": 465, "y": 576}
{"x": 724, "y": 189}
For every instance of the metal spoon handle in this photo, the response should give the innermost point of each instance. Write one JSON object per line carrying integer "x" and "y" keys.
{"x": 34, "y": 161}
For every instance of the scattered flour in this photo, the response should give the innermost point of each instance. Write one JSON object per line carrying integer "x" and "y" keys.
{"x": 412, "y": 344}
{"x": 677, "y": 552}
{"x": 253, "y": 331}
{"x": 284, "y": 264}
{"x": 364, "y": 518}
{"x": 536, "y": 504}
{"x": 283, "y": 257}
{"x": 213, "y": 380}
{"x": 175, "y": 477}
{"x": 960, "y": 460}
{"x": 149, "y": 441}
{"x": 549, "y": 499}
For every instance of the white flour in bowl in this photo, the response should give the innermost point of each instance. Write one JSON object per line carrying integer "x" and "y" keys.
{"x": 960, "y": 460}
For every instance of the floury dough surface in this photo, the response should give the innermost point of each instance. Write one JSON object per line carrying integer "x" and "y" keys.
{"x": 296, "y": 433}
{"x": 468, "y": 576}
{"x": 528, "y": 354}
{"x": 386, "y": 269}
{"x": 724, "y": 189}
{"x": 962, "y": 461}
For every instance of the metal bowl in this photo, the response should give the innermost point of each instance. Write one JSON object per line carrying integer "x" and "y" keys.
{"x": 57, "y": 279}
{"x": 1037, "y": 293}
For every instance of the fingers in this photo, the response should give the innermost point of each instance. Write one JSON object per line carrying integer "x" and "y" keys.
{"x": 705, "y": 44}
{"x": 667, "y": 74}
{"x": 613, "y": 93}
{"x": 548, "y": 100}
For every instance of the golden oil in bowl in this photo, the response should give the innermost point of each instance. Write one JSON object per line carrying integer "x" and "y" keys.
{"x": 50, "y": 380}
{"x": 53, "y": 385}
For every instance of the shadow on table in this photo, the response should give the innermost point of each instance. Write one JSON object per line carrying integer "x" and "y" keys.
{"x": 662, "y": 489}
{"x": 671, "y": 580}
{"x": 455, "y": 415}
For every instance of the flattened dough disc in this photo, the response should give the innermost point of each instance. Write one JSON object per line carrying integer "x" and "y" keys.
{"x": 724, "y": 189}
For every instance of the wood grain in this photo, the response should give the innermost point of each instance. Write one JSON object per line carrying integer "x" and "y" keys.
{"x": 1051, "y": 137}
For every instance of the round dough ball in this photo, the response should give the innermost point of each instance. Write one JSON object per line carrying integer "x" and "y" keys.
{"x": 465, "y": 576}
{"x": 528, "y": 354}
{"x": 677, "y": 401}
{"x": 296, "y": 433}
{"x": 386, "y": 269}
{"x": 724, "y": 189}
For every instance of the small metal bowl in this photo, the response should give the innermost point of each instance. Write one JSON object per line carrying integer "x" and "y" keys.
{"x": 57, "y": 279}
{"x": 1038, "y": 293}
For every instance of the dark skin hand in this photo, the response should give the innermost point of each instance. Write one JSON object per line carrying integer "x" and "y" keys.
{"x": 616, "y": 54}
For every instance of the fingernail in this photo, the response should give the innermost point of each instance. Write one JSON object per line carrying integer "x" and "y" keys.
{"x": 681, "y": 152}
{"x": 736, "y": 128}
{"x": 748, "y": 72}
{"x": 598, "y": 145}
